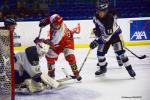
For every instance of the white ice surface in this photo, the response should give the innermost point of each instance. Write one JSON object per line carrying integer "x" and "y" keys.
{"x": 115, "y": 85}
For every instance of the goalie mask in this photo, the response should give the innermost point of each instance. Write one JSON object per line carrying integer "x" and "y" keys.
{"x": 10, "y": 24}
{"x": 42, "y": 48}
{"x": 56, "y": 21}
{"x": 9, "y": 21}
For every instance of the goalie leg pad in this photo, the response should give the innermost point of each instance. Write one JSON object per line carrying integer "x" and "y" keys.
{"x": 34, "y": 86}
{"x": 49, "y": 81}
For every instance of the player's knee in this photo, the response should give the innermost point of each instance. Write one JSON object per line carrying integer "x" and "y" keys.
{"x": 51, "y": 60}
{"x": 119, "y": 53}
{"x": 71, "y": 59}
{"x": 124, "y": 58}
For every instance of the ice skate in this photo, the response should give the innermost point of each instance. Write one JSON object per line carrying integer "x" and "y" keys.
{"x": 101, "y": 72}
{"x": 131, "y": 71}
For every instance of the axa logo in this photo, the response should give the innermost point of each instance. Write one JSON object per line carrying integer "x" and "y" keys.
{"x": 138, "y": 35}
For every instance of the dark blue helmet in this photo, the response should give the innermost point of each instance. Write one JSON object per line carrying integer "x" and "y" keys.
{"x": 9, "y": 21}
{"x": 102, "y": 5}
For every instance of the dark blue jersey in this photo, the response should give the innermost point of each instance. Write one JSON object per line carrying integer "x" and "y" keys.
{"x": 106, "y": 27}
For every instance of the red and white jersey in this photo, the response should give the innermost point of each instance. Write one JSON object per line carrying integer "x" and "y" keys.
{"x": 63, "y": 37}
{"x": 57, "y": 35}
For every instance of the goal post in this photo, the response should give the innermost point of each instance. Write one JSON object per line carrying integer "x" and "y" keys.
{"x": 6, "y": 65}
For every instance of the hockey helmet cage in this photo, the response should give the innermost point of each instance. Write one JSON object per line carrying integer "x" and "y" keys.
{"x": 102, "y": 5}
{"x": 42, "y": 48}
{"x": 10, "y": 21}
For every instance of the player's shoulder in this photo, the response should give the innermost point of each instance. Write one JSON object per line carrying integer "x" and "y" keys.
{"x": 32, "y": 55}
{"x": 112, "y": 10}
{"x": 95, "y": 18}
{"x": 30, "y": 49}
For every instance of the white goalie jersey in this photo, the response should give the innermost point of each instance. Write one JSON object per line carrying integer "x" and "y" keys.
{"x": 27, "y": 67}
{"x": 28, "y": 61}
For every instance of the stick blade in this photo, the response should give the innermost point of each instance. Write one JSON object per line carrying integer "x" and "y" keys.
{"x": 142, "y": 57}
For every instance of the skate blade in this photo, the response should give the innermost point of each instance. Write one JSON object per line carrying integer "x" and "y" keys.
{"x": 101, "y": 75}
{"x": 133, "y": 78}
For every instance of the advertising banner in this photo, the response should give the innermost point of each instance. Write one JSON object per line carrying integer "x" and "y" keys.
{"x": 139, "y": 30}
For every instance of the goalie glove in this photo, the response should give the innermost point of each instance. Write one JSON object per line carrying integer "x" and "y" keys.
{"x": 49, "y": 81}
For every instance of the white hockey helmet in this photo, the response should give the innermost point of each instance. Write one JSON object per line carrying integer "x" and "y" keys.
{"x": 42, "y": 48}
{"x": 56, "y": 21}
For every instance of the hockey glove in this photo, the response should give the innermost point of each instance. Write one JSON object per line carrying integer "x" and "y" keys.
{"x": 44, "y": 22}
{"x": 48, "y": 42}
{"x": 93, "y": 44}
{"x": 96, "y": 32}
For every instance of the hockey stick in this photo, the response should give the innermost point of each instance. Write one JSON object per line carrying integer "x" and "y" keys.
{"x": 68, "y": 77}
{"x": 64, "y": 79}
{"x": 139, "y": 57}
{"x": 84, "y": 60}
{"x": 40, "y": 32}
{"x": 65, "y": 72}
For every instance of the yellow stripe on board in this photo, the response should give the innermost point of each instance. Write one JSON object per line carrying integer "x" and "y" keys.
{"x": 137, "y": 43}
{"x": 20, "y": 48}
{"x": 87, "y": 45}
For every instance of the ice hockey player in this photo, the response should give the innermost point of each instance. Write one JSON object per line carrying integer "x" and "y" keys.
{"x": 60, "y": 41}
{"x": 113, "y": 11}
{"x": 27, "y": 69}
{"x": 107, "y": 33}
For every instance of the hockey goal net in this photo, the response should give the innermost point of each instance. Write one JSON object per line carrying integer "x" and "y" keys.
{"x": 6, "y": 63}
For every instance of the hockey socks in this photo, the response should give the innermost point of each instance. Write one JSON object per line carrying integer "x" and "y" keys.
{"x": 75, "y": 72}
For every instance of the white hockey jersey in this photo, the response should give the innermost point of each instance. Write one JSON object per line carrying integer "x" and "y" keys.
{"x": 28, "y": 61}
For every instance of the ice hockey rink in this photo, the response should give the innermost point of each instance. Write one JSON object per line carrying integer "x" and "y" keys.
{"x": 115, "y": 85}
